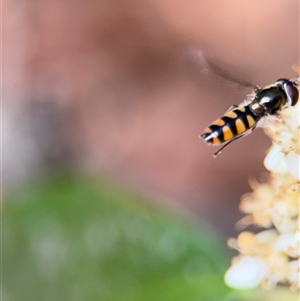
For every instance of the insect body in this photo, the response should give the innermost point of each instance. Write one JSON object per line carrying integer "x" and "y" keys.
{"x": 242, "y": 120}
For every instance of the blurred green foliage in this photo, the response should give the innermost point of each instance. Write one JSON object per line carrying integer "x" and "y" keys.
{"x": 76, "y": 238}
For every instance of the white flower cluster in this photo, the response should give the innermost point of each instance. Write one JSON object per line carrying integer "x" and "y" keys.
{"x": 271, "y": 257}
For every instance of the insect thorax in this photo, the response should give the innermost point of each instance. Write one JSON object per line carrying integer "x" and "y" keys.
{"x": 269, "y": 101}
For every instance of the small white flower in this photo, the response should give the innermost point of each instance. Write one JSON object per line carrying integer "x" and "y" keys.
{"x": 246, "y": 273}
{"x": 293, "y": 276}
{"x": 284, "y": 243}
{"x": 293, "y": 161}
{"x": 275, "y": 160}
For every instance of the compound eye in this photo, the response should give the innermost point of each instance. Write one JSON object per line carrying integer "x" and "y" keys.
{"x": 292, "y": 94}
{"x": 291, "y": 91}
{"x": 282, "y": 81}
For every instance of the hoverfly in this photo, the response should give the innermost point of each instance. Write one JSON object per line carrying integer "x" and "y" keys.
{"x": 241, "y": 120}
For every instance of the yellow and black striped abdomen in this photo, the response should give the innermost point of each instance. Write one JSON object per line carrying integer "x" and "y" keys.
{"x": 232, "y": 125}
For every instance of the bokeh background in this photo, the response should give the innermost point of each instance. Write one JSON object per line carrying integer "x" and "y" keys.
{"x": 109, "y": 194}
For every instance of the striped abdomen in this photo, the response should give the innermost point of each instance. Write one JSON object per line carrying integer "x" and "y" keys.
{"x": 234, "y": 124}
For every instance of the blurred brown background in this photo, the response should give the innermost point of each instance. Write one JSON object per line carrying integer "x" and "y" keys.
{"x": 105, "y": 86}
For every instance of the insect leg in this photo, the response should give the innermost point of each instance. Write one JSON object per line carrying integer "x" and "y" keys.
{"x": 236, "y": 138}
{"x": 219, "y": 151}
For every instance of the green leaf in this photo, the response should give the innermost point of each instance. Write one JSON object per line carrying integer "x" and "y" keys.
{"x": 71, "y": 237}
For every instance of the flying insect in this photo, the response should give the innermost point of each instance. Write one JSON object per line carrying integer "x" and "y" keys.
{"x": 241, "y": 120}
